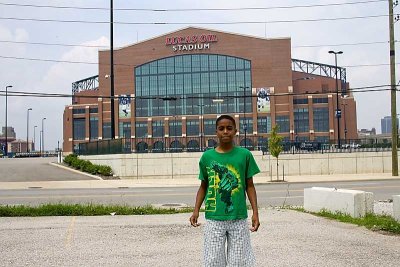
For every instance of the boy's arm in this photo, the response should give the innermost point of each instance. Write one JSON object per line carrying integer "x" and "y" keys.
{"x": 252, "y": 195}
{"x": 201, "y": 193}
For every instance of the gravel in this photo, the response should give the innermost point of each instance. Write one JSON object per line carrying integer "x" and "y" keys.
{"x": 285, "y": 238}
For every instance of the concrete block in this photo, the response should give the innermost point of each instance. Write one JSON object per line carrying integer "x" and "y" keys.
{"x": 396, "y": 207}
{"x": 353, "y": 202}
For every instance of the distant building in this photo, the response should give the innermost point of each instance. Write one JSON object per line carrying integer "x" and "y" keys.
{"x": 366, "y": 132}
{"x": 386, "y": 124}
{"x": 19, "y": 146}
{"x": 11, "y": 136}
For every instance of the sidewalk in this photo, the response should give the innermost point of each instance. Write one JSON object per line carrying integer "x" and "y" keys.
{"x": 137, "y": 183}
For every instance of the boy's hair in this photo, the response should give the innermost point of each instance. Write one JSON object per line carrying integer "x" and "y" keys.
{"x": 227, "y": 117}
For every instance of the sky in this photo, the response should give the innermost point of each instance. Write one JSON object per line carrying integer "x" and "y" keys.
{"x": 36, "y": 55}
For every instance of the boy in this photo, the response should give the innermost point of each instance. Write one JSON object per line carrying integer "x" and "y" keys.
{"x": 226, "y": 175}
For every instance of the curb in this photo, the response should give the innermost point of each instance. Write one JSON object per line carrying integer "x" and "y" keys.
{"x": 76, "y": 171}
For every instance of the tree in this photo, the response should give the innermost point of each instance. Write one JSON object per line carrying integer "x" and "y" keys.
{"x": 275, "y": 146}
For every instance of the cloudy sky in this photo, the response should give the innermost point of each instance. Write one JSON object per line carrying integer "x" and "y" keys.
{"x": 35, "y": 54}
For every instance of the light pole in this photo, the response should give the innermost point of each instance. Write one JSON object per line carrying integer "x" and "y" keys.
{"x": 27, "y": 130}
{"x": 201, "y": 125}
{"x": 244, "y": 114}
{"x": 6, "y": 148}
{"x": 42, "y": 143}
{"x": 344, "y": 118}
{"x": 34, "y": 138}
{"x": 112, "y": 69}
{"x": 338, "y": 114}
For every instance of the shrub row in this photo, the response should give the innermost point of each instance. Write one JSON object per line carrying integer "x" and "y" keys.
{"x": 87, "y": 166}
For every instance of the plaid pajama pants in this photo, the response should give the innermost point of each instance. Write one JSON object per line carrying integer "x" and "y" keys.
{"x": 227, "y": 243}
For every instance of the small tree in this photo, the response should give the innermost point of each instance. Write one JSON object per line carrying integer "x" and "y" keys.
{"x": 275, "y": 146}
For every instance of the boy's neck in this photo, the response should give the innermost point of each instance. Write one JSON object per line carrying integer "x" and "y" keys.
{"x": 223, "y": 148}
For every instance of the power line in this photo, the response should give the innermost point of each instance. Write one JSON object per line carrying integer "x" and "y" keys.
{"x": 193, "y": 9}
{"x": 53, "y": 44}
{"x": 365, "y": 89}
{"x": 131, "y": 65}
{"x": 103, "y": 46}
{"x": 195, "y": 23}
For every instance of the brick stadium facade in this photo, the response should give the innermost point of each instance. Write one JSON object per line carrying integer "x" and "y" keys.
{"x": 170, "y": 89}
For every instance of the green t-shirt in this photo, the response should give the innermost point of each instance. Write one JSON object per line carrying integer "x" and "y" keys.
{"x": 226, "y": 173}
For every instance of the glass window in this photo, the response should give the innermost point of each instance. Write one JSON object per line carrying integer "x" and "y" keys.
{"x": 107, "y": 130}
{"x": 125, "y": 130}
{"x": 301, "y": 124}
{"x": 298, "y": 101}
{"x": 94, "y": 110}
{"x": 162, "y": 66}
{"x": 175, "y": 127}
{"x": 213, "y": 63}
{"x": 158, "y": 129}
{"x": 79, "y": 111}
{"x": 246, "y": 124}
{"x": 94, "y": 128}
{"x": 178, "y": 64}
{"x": 221, "y": 63}
{"x": 321, "y": 119}
{"x": 195, "y": 63}
{"x": 193, "y": 76}
{"x": 204, "y": 63}
{"x": 141, "y": 129}
{"x": 320, "y": 100}
{"x": 230, "y": 63}
{"x": 192, "y": 128}
{"x": 263, "y": 125}
{"x": 209, "y": 127}
{"x": 79, "y": 129}
{"x": 283, "y": 122}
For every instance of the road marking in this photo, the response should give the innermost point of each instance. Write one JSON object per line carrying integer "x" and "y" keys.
{"x": 70, "y": 232}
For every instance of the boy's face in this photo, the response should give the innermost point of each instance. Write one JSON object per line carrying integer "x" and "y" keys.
{"x": 226, "y": 131}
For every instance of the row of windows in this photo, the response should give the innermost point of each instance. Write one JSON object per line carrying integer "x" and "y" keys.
{"x": 301, "y": 125}
{"x": 302, "y": 101}
{"x": 192, "y": 63}
{"x": 192, "y": 83}
{"x": 200, "y": 104}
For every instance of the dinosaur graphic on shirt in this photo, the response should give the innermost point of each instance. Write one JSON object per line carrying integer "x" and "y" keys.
{"x": 227, "y": 183}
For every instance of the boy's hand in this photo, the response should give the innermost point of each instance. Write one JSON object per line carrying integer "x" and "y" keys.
{"x": 255, "y": 223}
{"x": 193, "y": 219}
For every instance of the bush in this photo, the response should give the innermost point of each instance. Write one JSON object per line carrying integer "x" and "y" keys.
{"x": 68, "y": 159}
{"x": 87, "y": 166}
{"x": 104, "y": 170}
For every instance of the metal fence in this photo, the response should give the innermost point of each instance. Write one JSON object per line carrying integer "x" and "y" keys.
{"x": 198, "y": 144}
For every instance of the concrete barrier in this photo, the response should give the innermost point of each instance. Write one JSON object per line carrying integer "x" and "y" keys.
{"x": 396, "y": 207}
{"x": 352, "y": 202}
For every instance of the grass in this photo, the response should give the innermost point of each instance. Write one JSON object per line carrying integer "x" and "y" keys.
{"x": 83, "y": 210}
{"x": 370, "y": 221}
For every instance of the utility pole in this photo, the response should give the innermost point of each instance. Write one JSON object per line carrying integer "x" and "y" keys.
{"x": 112, "y": 70}
{"x": 395, "y": 167}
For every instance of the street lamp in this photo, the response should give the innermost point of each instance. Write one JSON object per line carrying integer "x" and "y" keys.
{"x": 244, "y": 114}
{"x": 42, "y": 143}
{"x": 112, "y": 70}
{"x": 6, "y": 148}
{"x": 27, "y": 130}
{"x": 201, "y": 125}
{"x": 344, "y": 118}
{"x": 34, "y": 138}
{"x": 338, "y": 113}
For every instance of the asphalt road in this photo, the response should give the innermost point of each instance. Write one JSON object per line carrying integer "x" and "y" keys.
{"x": 285, "y": 238}
{"x": 35, "y": 169}
{"x": 268, "y": 194}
